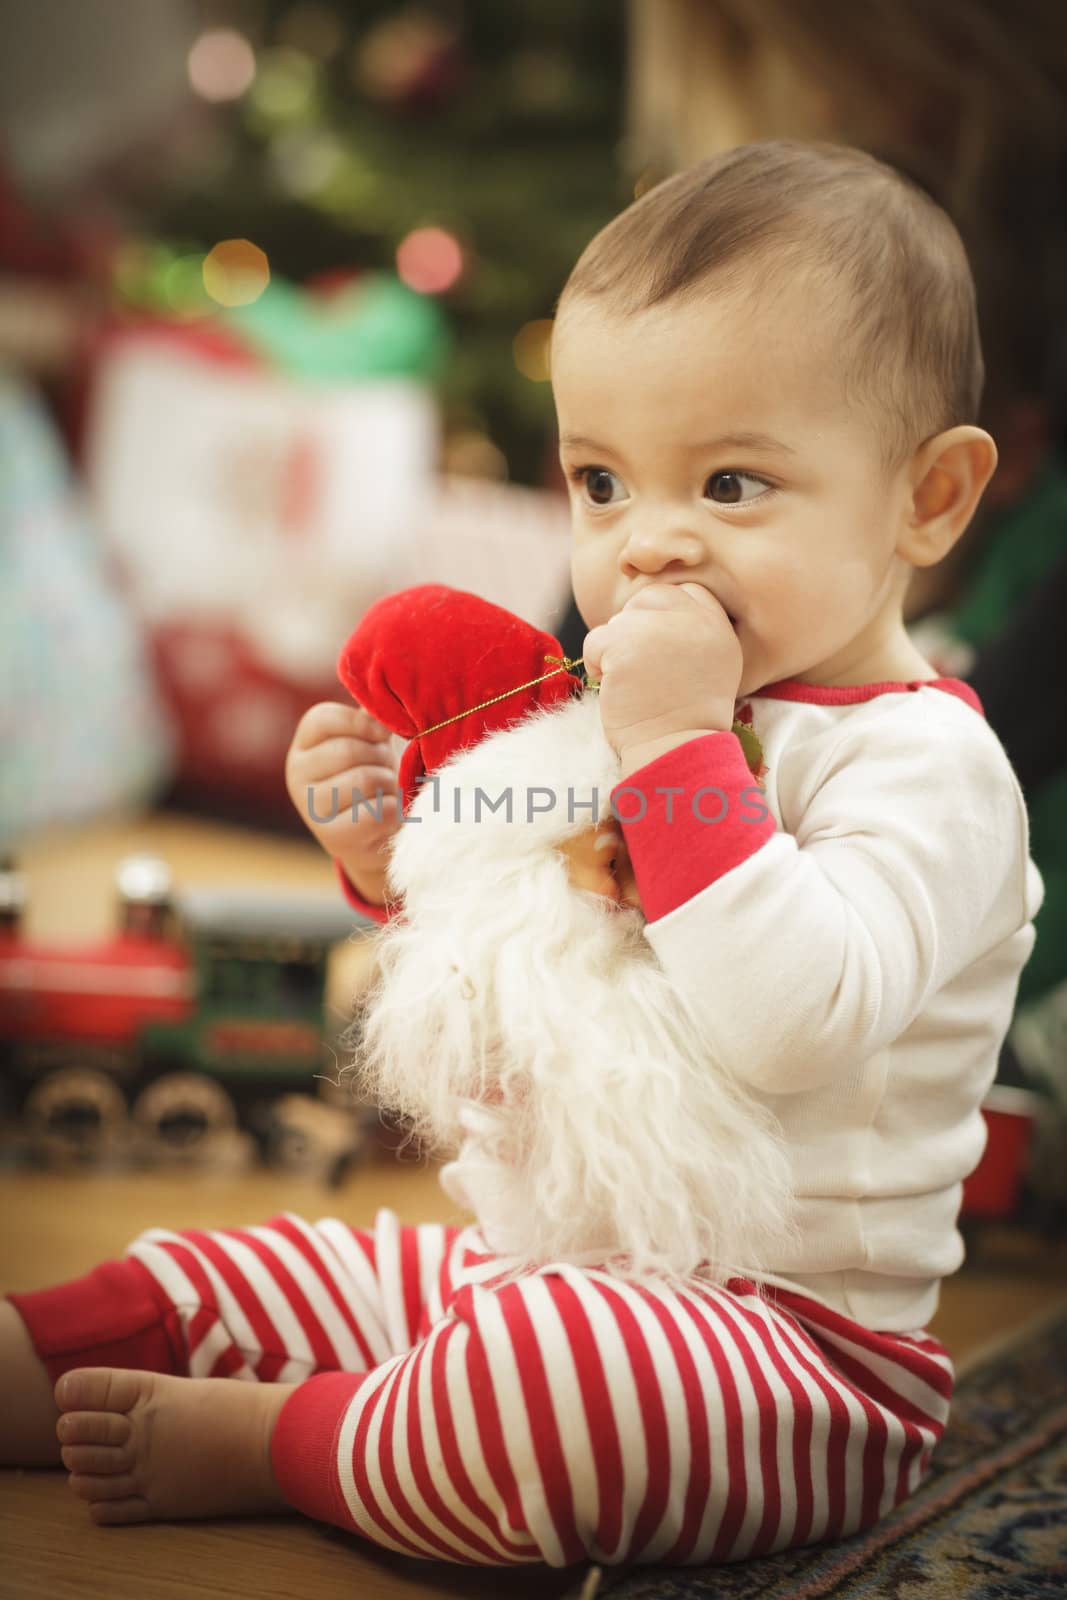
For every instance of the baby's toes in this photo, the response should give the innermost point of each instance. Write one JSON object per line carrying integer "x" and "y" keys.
{"x": 94, "y": 1427}
{"x": 99, "y": 1458}
{"x": 107, "y": 1486}
{"x": 99, "y": 1389}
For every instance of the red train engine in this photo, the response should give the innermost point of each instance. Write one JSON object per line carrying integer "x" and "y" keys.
{"x": 198, "y": 1028}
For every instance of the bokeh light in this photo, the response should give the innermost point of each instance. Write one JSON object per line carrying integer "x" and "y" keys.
{"x": 429, "y": 260}
{"x": 183, "y": 287}
{"x": 236, "y": 272}
{"x": 139, "y": 270}
{"x": 306, "y": 160}
{"x": 531, "y": 349}
{"x": 286, "y": 86}
{"x": 222, "y": 65}
{"x": 399, "y": 51}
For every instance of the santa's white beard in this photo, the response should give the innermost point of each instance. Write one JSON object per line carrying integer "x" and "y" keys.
{"x": 531, "y": 1022}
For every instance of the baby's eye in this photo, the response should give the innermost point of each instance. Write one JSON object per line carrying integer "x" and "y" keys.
{"x": 728, "y": 487}
{"x": 590, "y": 476}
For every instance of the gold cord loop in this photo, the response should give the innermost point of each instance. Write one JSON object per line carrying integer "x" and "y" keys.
{"x": 564, "y": 665}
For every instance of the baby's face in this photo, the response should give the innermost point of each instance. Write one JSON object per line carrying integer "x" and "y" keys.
{"x": 725, "y": 452}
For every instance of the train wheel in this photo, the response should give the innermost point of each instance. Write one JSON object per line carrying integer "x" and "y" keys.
{"x": 184, "y": 1114}
{"x": 76, "y": 1113}
{"x": 307, "y": 1137}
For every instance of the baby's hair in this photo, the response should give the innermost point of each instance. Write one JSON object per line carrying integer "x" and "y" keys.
{"x": 756, "y": 215}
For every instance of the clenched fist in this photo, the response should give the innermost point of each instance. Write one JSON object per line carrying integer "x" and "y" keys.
{"x": 669, "y": 665}
{"x": 340, "y": 752}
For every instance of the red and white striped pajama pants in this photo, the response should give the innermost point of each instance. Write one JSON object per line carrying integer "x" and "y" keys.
{"x": 563, "y": 1417}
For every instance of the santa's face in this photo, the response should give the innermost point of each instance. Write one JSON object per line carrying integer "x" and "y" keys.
{"x": 599, "y": 862}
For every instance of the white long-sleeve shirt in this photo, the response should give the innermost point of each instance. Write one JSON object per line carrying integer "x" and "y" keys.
{"x": 853, "y": 957}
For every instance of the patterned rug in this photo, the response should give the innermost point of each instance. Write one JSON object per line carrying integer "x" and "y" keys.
{"x": 989, "y": 1523}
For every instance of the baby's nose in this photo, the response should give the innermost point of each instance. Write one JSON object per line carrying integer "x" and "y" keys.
{"x": 655, "y": 549}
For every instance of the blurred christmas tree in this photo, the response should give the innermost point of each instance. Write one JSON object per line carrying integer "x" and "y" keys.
{"x": 472, "y": 148}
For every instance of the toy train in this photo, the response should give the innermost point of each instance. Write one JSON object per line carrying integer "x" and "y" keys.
{"x": 196, "y": 1033}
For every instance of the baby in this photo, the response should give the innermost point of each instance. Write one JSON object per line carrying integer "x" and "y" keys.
{"x": 766, "y": 373}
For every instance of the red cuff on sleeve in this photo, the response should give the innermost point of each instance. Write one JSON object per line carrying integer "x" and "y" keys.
{"x": 688, "y": 817}
{"x": 303, "y": 1446}
{"x": 380, "y": 914}
{"x": 115, "y": 1316}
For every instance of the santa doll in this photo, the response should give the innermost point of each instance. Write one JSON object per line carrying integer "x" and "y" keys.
{"x": 518, "y": 1016}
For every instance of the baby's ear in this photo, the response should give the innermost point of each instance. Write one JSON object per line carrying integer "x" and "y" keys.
{"x": 948, "y": 475}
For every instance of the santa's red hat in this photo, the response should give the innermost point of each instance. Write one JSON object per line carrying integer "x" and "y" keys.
{"x": 445, "y": 669}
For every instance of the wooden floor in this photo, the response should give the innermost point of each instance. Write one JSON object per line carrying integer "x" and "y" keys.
{"x": 55, "y": 1227}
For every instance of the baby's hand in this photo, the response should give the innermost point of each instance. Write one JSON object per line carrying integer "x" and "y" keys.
{"x": 669, "y": 665}
{"x": 336, "y": 751}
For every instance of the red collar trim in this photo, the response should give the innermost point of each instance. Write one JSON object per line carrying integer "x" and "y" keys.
{"x": 822, "y": 695}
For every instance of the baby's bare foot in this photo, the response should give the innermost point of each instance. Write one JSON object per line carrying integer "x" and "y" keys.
{"x": 142, "y": 1446}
